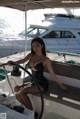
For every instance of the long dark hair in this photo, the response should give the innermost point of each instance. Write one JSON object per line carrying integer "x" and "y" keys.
{"x": 40, "y": 41}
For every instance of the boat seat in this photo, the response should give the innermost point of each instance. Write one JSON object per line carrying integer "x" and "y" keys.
{"x": 55, "y": 93}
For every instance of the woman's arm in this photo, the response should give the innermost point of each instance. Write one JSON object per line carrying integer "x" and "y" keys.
{"x": 53, "y": 75}
{"x": 21, "y": 61}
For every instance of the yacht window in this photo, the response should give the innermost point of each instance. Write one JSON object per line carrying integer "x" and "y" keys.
{"x": 67, "y": 34}
{"x": 35, "y": 32}
{"x": 59, "y": 34}
{"x": 53, "y": 34}
{"x": 32, "y": 33}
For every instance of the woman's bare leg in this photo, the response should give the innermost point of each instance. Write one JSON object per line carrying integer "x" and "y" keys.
{"x": 24, "y": 99}
{"x": 16, "y": 89}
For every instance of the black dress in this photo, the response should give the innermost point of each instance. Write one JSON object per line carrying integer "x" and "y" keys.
{"x": 39, "y": 76}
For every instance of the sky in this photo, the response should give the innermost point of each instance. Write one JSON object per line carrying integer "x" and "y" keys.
{"x": 16, "y": 18}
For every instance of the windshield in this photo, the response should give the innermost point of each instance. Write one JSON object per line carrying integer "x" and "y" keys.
{"x": 35, "y": 32}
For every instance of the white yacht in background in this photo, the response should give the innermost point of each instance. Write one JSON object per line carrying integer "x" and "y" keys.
{"x": 61, "y": 33}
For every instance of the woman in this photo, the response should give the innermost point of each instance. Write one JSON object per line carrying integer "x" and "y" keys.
{"x": 37, "y": 60}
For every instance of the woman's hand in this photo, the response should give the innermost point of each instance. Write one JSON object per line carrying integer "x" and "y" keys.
{"x": 64, "y": 88}
{"x": 10, "y": 62}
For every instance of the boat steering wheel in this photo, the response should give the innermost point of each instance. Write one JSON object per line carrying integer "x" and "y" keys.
{"x": 35, "y": 81}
